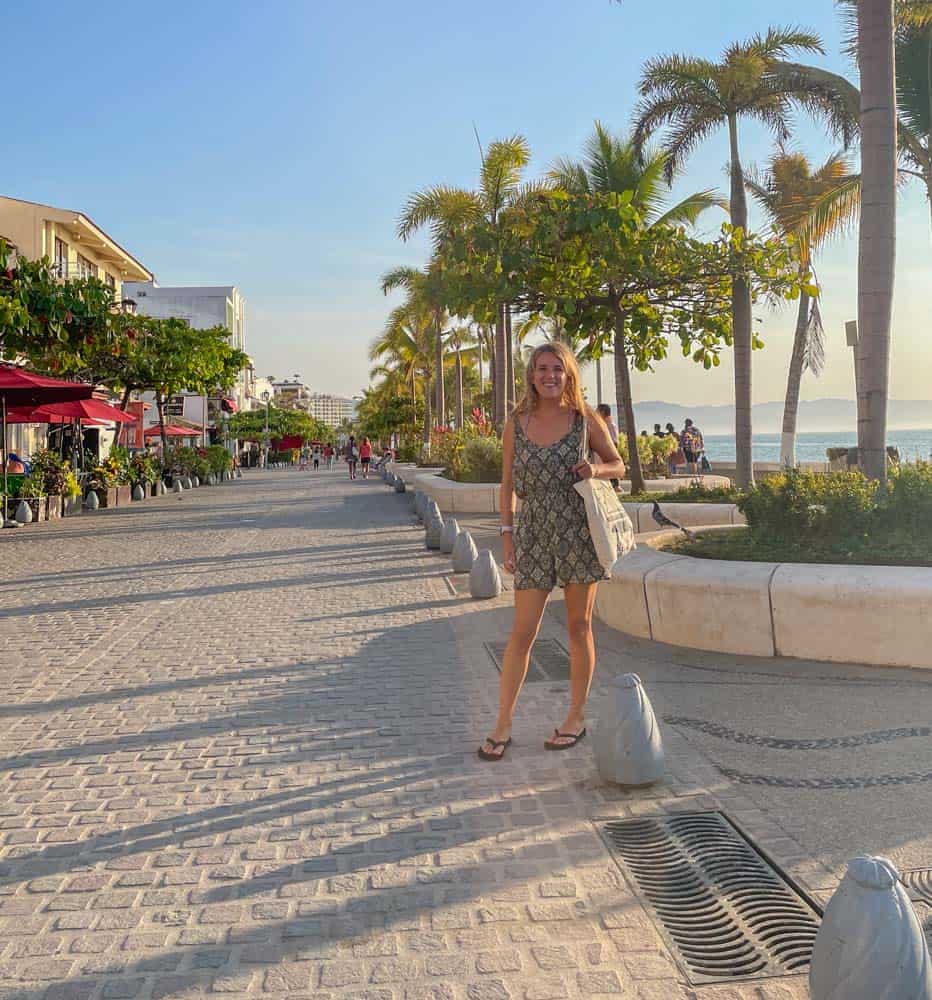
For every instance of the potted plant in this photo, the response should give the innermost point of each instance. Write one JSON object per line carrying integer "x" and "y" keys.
{"x": 102, "y": 480}
{"x": 29, "y": 489}
{"x": 71, "y": 493}
{"x": 49, "y": 470}
{"x": 122, "y": 466}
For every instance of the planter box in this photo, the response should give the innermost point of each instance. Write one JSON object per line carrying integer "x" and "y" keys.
{"x": 37, "y": 504}
{"x": 53, "y": 507}
{"x": 124, "y": 496}
{"x": 107, "y": 498}
{"x": 70, "y": 506}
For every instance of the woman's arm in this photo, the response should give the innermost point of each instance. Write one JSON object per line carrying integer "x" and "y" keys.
{"x": 506, "y": 498}
{"x": 612, "y": 465}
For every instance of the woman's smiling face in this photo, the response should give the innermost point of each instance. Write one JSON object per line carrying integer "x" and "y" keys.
{"x": 549, "y": 377}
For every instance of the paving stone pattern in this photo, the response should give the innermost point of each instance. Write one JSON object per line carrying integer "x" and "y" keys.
{"x": 238, "y": 758}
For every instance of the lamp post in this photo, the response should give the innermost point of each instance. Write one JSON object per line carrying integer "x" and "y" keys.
{"x": 266, "y": 396}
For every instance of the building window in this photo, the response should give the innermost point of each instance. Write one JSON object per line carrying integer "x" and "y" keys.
{"x": 61, "y": 257}
{"x": 110, "y": 281}
{"x": 85, "y": 268}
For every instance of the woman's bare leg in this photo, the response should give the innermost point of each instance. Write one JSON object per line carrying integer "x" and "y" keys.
{"x": 529, "y": 610}
{"x": 580, "y": 598}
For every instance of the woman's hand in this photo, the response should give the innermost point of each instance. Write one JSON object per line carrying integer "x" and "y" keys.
{"x": 584, "y": 470}
{"x": 508, "y": 552}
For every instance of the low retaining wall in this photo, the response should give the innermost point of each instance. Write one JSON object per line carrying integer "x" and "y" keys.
{"x": 880, "y": 615}
{"x": 483, "y": 498}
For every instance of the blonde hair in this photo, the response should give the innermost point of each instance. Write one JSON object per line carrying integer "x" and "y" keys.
{"x": 572, "y": 390}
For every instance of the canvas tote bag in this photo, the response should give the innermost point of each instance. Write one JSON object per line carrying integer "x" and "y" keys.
{"x": 609, "y": 525}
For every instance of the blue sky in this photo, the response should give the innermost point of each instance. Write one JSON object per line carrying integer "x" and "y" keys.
{"x": 272, "y": 146}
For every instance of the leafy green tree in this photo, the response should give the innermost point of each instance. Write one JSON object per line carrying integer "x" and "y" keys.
{"x": 53, "y": 324}
{"x": 449, "y": 210}
{"x": 811, "y": 206}
{"x": 692, "y": 98}
{"x": 249, "y": 425}
{"x": 590, "y": 260}
{"x": 614, "y": 165}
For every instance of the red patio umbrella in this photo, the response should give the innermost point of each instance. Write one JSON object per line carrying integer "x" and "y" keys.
{"x": 19, "y": 387}
{"x": 83, "y": 409}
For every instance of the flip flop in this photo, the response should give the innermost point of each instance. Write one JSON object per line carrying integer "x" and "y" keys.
{"x": 575, "y": 737}
{"x": 486, "y": 755}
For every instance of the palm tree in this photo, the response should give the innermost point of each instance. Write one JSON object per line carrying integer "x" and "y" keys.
{"x": 811, "y": 206}
{"x": 405, "y": 348}
{"x": 426, "y": 289}
{"x": 449, "y": 209}
{"x": 613, "y": 164}
{"x": 692, "y": 98}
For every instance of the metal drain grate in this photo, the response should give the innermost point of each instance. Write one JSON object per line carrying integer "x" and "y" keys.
{"x": 549, "y": 660}
{"x": 918, "y": 883}
{"x": 722, "y": 908}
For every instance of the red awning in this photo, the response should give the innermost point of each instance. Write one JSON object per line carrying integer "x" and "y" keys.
{"x": 24, "y": 388}
{"x": 171, "y": 430}
{"x": 228, "y": 404}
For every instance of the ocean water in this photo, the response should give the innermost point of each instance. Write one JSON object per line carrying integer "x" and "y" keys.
{"x": 811, "y": 446}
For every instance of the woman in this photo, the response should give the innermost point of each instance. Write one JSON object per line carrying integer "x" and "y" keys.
{"x": 365, "y": 456}
{"x": 352, "y": 456}
{"x": 328, "y": 454}
{"x": 552, "y": 547}
{"x": 677, "y": 458}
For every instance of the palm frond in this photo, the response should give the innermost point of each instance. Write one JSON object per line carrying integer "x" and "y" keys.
{"x": 823, "y": 94}
{"x": 683, "y": 138}
{"x": 401, "y": 277}
{"x": 830, "y": 212}
{"x": 914, "y": 83}
{"x": 814, "y": 356}
{"x": 776, "y": 44}
{"x": 569, "y": 175}
{"x": 502, "y": 165}
{"x": 441, "y": 207}
{"x": 689, "y": 209}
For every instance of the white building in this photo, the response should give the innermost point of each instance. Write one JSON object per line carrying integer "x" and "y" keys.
{"x": 202, "y": 306}
{"x": 330, "y": 410}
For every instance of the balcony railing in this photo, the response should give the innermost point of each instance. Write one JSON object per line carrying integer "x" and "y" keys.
{"x": 75, "y": 269}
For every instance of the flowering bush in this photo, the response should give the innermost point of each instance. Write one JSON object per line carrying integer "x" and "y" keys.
{"x": 49, "y": 469}
{"x": 144, "y": 468}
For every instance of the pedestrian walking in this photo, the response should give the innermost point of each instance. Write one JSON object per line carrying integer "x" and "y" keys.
{"x": 605, "y": 412}
{"x": 315, "y": 456}
{"x": 365, "y": 456}
{"x": 693, "y": 445}
{"x": 352, "y": 456}
{"x": 328, "y": 455}
{"x": 677, "y": 458}
{"x": 550, "y": 545}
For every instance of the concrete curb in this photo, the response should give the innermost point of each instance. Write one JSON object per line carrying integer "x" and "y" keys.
{"x": 878, "y": 615}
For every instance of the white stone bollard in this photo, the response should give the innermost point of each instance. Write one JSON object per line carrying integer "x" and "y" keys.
{"x": 434, "y": 531}
{"x": 627, "y": 745}
{"x": 870, "y": 945}
{"x": 196, "y": 481}
{"x": 23, "y": 513}
{"x": 465, "y": 553}
{"x": 419, "y": 499}
{"x": 485, "y": 580}
{"x": 178, "y": 486}
{"x": 138, "y": 492}
{"x": 448, "y": 536}
{"x": 431, "y": 510}
{"x": 92, "y": 501}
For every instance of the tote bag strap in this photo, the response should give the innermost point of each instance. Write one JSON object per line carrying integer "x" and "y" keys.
{"x": 584, "y": 440}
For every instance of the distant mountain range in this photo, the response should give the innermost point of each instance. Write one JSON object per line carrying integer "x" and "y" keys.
{"x": 816, "y": 415}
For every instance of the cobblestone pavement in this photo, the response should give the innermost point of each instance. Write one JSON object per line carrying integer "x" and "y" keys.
{"x": 238, "y": 740}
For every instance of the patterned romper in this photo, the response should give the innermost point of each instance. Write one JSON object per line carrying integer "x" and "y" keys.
{"x": 552, "y": 541}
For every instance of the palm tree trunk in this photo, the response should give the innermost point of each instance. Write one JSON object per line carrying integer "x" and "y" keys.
{"x": 625, "y": 404}
{"x": 501, "y": 369}
{"x": 877, "y": 231}
{"x": 427, "y": 414}
{"x": 741, "y": 325}
{"x": 460, "y": 415}
{"x": 441, "y": 401}
{"x": 509, "y": 339}
{"x": 793, "y": 380}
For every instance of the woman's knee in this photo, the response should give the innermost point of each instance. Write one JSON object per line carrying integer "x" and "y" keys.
{"x": 522, "y": 637}
{"x": 579, "y": 627}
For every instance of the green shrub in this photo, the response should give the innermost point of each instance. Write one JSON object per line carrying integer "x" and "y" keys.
{"x": 70, "y": 485}
{"x": 408, "y": 453}
{"x": 122, "y": 463}
{"x": 144, "y": 468}
{"x": 481, "y": 461}
{"x": 808, "y": 508}
{"x": 219, "y": 459}
{"x": 48, "y": 467}
{"x": 908, "y": 504}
